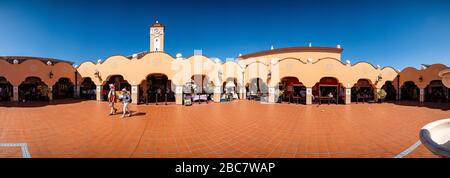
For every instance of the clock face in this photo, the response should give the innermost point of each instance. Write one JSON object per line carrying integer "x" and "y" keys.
{"x": 156, "y": 31}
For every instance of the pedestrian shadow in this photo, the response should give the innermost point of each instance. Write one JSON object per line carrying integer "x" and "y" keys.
{"x": 133, "y": 113}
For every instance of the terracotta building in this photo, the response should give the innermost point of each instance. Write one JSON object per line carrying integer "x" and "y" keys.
{"x": 297, "y": 74}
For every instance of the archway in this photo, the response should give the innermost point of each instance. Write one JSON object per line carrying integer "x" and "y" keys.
{"x": 410, "y": 91}
{"x": 119, "y": 83}
{"x": 363, "y": 90}
{"x": 230, "y": 88}
{"x": 436, "y": 92}
{"x": 258, "y": 90}
{"x": 198, "y": 89}
{"x": 6, "y": 90}
{"x": 156, "y": 88}
{"x": 390, "y": 91}
{"x": 293, "y": 90}
{"x": 63, "y": 88}
{"x": 87, "y": 89}
{"x": 33, "y": 89}
{"x": 328, "y": 89}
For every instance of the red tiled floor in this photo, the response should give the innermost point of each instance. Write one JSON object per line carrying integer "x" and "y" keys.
{"x": 237, "y": 129}
{"x": 10, "y": 152}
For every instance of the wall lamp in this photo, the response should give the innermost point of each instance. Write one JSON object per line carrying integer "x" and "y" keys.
{"x": 97, "y": 75}
{"x": 50, "y": 74}
{"x": 379, "y": 78}
{"x": 420, "y": 78}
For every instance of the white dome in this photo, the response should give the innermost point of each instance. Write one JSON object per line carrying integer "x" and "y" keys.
{"x": 99, "y": 61}
{"x": 179, "y": 55}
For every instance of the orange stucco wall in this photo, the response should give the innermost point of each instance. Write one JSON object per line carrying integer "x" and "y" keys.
{"x": 180, "y": 70}
{"x": 429, "y": 74}
{"x": 17, "y": 73}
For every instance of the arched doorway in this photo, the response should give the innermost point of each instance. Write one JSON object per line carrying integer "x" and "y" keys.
{"x": 6, "y": 90}
{"x": 119, "y": 83}
{"x": 33, "y": 89}
{"x": 87, "y": 89}
{"x": 389, "y": 88}
{"x": 63, "y": 88}
{"x": 436, "y": 92}
{"x": 410, "y": 91}
{"x": 363, "y": 90}
{"x": 230, "y": 88}
{"x": 198, "y": 89}
{"x": 258, "y": 90}
{"x": 329, "y": 90}
{"x": 156, "y": 88}
{"x": 293, "y": 90}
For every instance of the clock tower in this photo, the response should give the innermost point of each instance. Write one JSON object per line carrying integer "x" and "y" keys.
{"x": 157, "y": 37}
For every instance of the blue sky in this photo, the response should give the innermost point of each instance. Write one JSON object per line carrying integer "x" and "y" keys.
{"x": 396, "y": 33}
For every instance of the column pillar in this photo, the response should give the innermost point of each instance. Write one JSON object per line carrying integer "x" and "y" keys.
{"x": 399, "y": 94}
{"x": 217, "y": 93}
{"x": 179, "y": 94}
{"x": 273, "y": 98}
{"x": 15, "y": 93}
{"x": 375, "y": 94}
{"x": 422, "y": 94}
{"x": 50, "y": 93}
{"x": 76, "y": 91}
{"x": 98, "y": 92}
{"x": 308, "y": 95}
{"x": 134, "y": 94}
{"x": 242, "y": 93}
{"x": 348, "y": 95}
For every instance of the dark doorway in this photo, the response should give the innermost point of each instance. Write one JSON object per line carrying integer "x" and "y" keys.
{"x": 63, "y": 89}
{"x": 6, "y": 90}
{"x": 410, "y": 91}
{"x": 156, "y": 88}
{"x": 436, "y": 92}
{"x": 362, "y": 91}
{"x": 119, "y": 84}
{"x": 87, "y": 89}
{"x": 391, "y": 93}
{"x": 33, "y": 89}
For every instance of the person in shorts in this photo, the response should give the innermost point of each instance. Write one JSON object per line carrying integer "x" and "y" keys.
{"x": 126, "y": 98}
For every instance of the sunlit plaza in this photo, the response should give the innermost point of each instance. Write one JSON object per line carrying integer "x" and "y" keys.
{"x": 76, "y": 128}
{"x": 294, "y": 102}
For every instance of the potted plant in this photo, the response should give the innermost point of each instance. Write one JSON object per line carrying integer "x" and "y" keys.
{"x": 279, "y": 95}
{"x": 381, "y": 95}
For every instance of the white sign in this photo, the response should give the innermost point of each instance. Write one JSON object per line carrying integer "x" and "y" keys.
{"x": 179, "y": 90}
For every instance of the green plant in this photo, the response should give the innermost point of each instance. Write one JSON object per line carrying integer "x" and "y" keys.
{"x": 382, "y": 94}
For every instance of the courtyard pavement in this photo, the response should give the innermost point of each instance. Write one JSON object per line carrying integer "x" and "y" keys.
{"x": 74, "y": 128}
